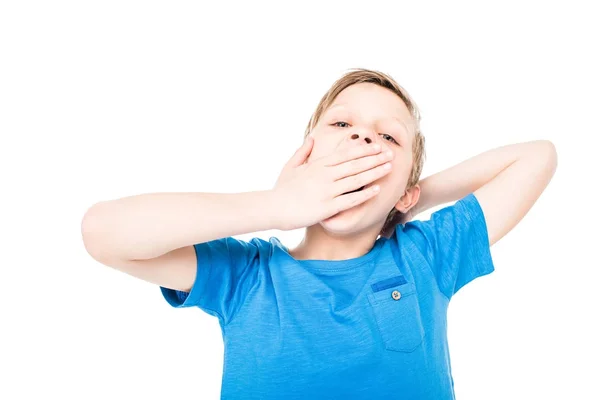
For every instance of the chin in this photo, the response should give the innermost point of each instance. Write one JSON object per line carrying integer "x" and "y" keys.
{"x": 346, "y": 222}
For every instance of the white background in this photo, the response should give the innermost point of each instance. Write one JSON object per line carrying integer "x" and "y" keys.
{"x": 100, "y": 100}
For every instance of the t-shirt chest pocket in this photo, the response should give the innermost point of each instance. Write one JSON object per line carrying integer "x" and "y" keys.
{"x": 395, "y": 304}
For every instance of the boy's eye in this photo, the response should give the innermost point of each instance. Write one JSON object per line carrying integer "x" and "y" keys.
{"x": 388, "y": 137}
{"x": 341, "y": 122}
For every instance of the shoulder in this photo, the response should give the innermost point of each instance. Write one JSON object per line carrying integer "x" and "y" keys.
{"x": 462, "y": 213}
{"x": 450, "y": 229}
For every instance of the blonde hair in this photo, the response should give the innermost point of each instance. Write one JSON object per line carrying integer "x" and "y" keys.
{"x": 362, "y": 75}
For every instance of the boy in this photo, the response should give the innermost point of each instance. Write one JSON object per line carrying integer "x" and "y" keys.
{"x": 358, "y": 309}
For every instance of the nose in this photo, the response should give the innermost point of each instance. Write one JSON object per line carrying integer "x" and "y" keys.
{"x": 361, "y": 138}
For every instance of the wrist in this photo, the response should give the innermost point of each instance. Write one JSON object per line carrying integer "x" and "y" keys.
{"x": 273, "y": 210}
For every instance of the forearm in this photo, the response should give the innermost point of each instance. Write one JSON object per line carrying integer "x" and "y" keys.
{"x": 149, "y": 225}
{"x": 461, "y": 179}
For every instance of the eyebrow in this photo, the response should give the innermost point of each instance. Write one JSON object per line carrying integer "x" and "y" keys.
{"x": 404, "y": 124}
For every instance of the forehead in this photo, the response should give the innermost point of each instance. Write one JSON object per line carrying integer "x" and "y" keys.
{"x": 370, "y": 99}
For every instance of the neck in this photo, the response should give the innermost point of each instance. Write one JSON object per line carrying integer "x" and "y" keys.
{"x": 318, "y": 244}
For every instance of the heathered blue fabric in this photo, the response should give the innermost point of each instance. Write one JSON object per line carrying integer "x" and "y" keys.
{"x": 322, "y": 329}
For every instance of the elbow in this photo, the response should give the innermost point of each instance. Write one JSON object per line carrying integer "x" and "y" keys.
{"x": 91, "y": 232}
{"x": 551, "y": 156}
{"x": 544, "y": 161}
{"x": 543, "y": 153}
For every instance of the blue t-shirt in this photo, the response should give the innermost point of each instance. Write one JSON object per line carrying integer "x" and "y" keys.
{"x": 372, "y": 327}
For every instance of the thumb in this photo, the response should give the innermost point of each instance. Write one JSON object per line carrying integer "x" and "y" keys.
{"x": 301, "y": 155}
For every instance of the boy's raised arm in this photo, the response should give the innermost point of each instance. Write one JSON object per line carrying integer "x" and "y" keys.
{"x": 152, "y": 236}
{"x": 506, "y": 181}
{"x": 149, "y": 225}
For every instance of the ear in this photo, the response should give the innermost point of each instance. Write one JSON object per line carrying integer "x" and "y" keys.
{"x": 408, "y": 199}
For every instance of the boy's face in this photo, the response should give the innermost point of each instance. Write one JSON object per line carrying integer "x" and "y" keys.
{"x": 376, "y": 115}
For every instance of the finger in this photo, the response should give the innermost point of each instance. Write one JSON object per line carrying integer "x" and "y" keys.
{"x": 358, "y": 165}
{"x": 351, "y": 153}
{"x": 350, "y": 200}
{"x": 301, "y": 155}
{"x": 357, "y": 181}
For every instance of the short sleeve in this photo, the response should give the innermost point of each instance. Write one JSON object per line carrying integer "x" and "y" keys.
{"x": 455, "y": 243}
{"x": 226, "y": 269}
